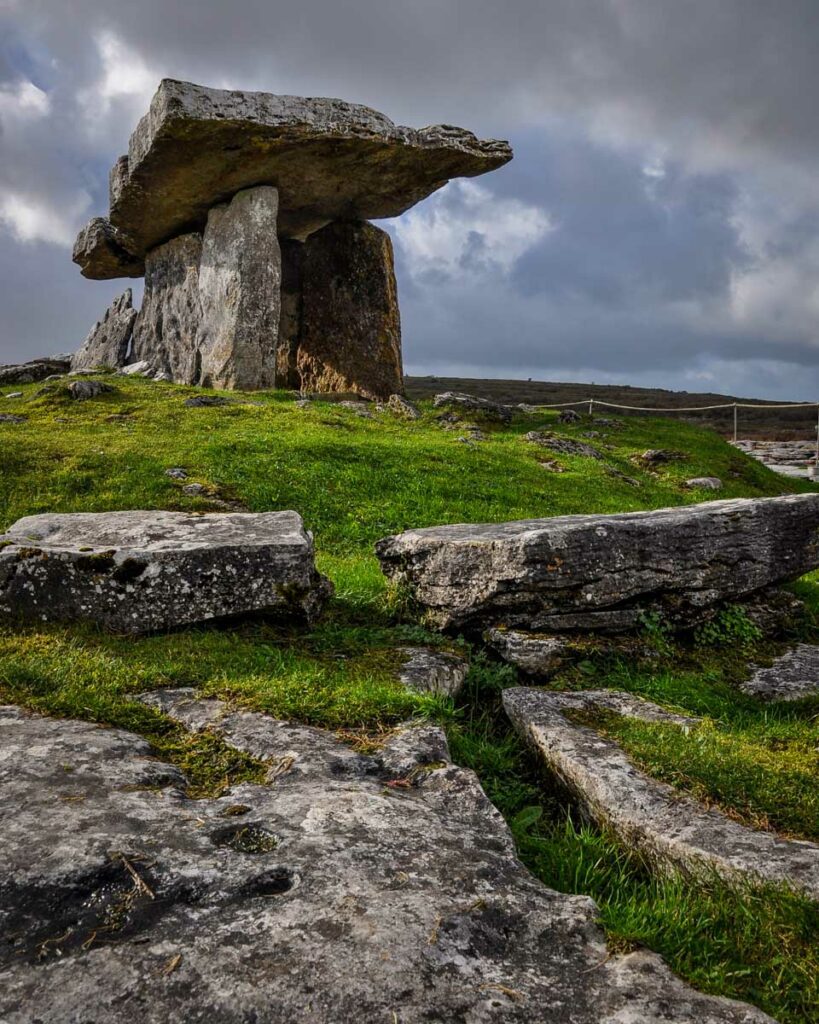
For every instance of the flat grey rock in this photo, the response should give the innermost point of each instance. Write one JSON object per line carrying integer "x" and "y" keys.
{"x": 36, "y": 370}
{"x": 602, "y": 572}
{"x": 562, "y": 445}
{"x": 793, "y": 676}
{"x": 427, "y": 670}
{"x": 329, "y": 160}
{"x": 141, "y": 368}
{"x": 537, "y": 654}
{"x": 350, "y": 888}
{"x": 459, "y": 402}
{"x": 705, "y": 483}
{"x": 670, "y": 828}
{"x": 137, "y": 572}
{"x": 109, "y": 340}
{"x": 12, "y": 417}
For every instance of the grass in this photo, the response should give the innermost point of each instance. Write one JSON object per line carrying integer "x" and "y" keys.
{"x": 355, "y": 480}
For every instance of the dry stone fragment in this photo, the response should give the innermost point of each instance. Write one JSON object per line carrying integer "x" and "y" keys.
{"x": 430, "y": 671}
{"x": 82, "y": 390}
{"x": 460, "y": 402}
{"x": 791, "y": 677}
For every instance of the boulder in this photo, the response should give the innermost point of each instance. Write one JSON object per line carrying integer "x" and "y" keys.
{"x": 351, "y": 887}
{"x": 569, "y": 416}
{"x": 330, "y": 160}
{"x": 167, "y": 328}
{"x": 82, "y": 390}
{"x": 36, "y": 370}
{"x": 137, "y": 572}
{"x": 109, "y": 341}
{"x": 239, "y": 285}
{"x": 792, "y": 676}
{"x": 661, "y": 456}
{"x": 536, "y": 654}
{"x": 403, "y": 407}
{"x": 141, "y": 368}
{"x": 457, "y": 401}
{"x": 600, "y": 572}
{"x": 670, "y": 829}
{"x": 562, "y": 445}
{"x": 349, "y": 332}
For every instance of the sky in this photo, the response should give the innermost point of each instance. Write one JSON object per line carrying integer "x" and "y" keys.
{"x": 658, "y": 226}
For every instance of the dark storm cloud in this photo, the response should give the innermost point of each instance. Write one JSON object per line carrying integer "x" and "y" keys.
{"x": 659, "y": 218}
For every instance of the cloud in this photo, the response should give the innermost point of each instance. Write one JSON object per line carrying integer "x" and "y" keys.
{"x": 32, "y": 220}
{"x": 23, "y": 99}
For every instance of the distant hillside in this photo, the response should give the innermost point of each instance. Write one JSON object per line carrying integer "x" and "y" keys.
{"x": 782, "y": 424}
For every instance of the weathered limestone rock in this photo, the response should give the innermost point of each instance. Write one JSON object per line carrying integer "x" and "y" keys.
{"x": 330, "y": 160}
{"x": 460, "y": 402}
{"x": 101, "y": 253}
{"x": 349, "y": 336}
{"x": 603, "y": 572}
{"x": 793, "y": 676}
{"x": 705, "y": 483}
{"x": 167, "y": 328}
{"x": 403, "y": 407}
{"x": 82, "y": 390}
{"x": 136, "y": 572}
{"x": 668, "y": 827}
{"x": 327, "y": 895}
{"x": 536, "y": 654}
{"x": 562, "y": 445}
{"x": 429, "y": 671}
{"x": 108, "y": 342}
{"x": 36, "y": 370}
{"x": 239, "y": 283}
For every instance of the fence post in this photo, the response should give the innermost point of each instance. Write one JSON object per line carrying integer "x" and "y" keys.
{"x": 735, "y": 422}
{"x": 816, "y": 460}
{"x": 591, "y": 407}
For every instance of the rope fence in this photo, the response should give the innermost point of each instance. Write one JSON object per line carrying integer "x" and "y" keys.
{"x": 736, "y": 406}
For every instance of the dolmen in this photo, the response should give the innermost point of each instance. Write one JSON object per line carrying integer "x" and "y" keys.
{"x": 604, "y": 572}
{"x": 139, "y": 572}
{"x": 248, "y": 215}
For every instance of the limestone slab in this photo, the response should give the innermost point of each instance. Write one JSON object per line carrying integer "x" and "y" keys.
{"x": 109, "y": 340}
{"x": 670, "y": 828}
{"x": 601, "y": 572}
{"x": 327, "y": 895}
{"x": 137, "y": 572}
{"x": 791, "y": 677}
{"x": 330, "y": 160}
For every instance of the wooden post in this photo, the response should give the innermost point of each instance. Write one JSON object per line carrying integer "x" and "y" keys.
{"x": 735, "y": 422}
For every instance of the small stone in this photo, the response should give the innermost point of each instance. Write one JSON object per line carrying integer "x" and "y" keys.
{"x": 82, "y": 390}
{"x": 791, "y": 677}
{"x": 15, "y": 394}
{"x": 461, "y": 402}
{"x": 536, "y": 654}
{"x": 141, "y": 368}
{"x": 359, "y": 408}
{"x": 551, "y": 466}
{"x": 205, "y": 401}
{"x": 8, "y": 417}
{"x": 427, "y": 670}
{"x": 562, "y": 445}
{"x": 660, "y": 456}
{"x": 403, "y": 407}
{"x": 630, "y": 480}
{"x": 705, "y": 483}
{"x": 193, "y": 490}
{"x": 569, "y": 416}
{"x": 175, "y": 473}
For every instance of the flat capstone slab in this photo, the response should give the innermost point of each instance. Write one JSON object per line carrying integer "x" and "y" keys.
{"x": 143, "y": 571}
{"x": 793, "y": 676}
{"x": 369, "y": 888}
{"x": 672, "y": 830}
{"x": 330, "y": 160}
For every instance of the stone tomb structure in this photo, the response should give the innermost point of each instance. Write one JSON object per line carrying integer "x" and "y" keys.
{"x": 247, "y": 214}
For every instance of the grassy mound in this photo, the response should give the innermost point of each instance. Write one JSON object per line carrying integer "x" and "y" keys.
{"x": 357, "y": 479}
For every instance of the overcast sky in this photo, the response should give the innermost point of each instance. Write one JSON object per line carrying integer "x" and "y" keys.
{"x": 659, "y": 224}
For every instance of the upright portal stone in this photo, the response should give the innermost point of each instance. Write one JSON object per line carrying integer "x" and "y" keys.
{"x": 109, "y": 339}
{"x": 167, "y": 328}
{"x": 239, "y": 290}
{"x": 350, "y": 331}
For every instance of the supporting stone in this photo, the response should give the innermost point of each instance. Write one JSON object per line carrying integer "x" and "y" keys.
{"x": 350, "y": 327}
{"x": 239, "y": 293}
{"x": 109, "y": 339}
{"x": 166, "y": 330}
